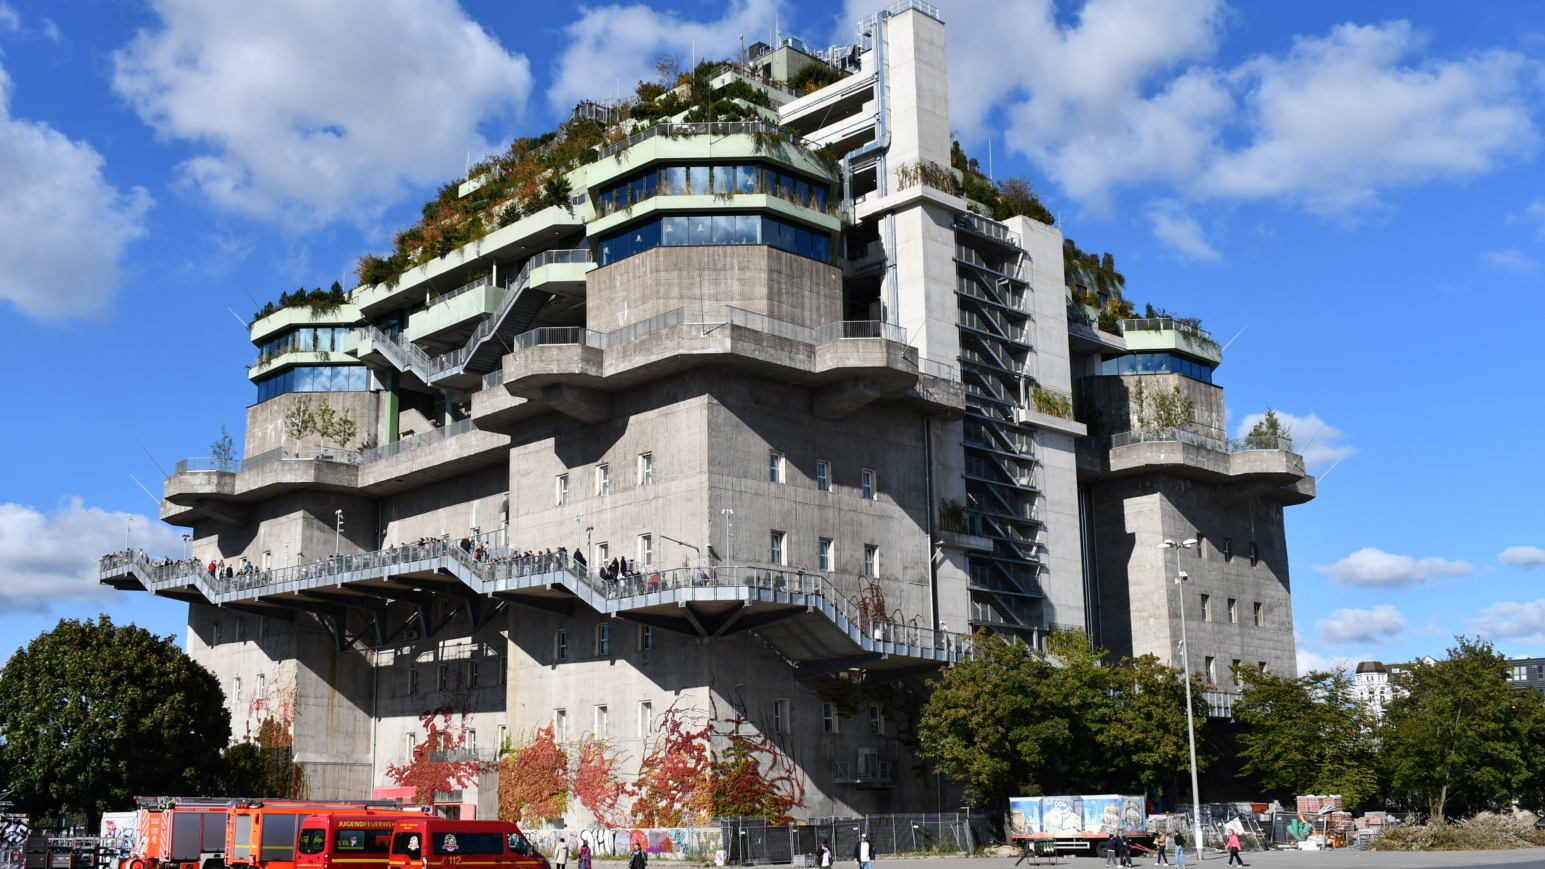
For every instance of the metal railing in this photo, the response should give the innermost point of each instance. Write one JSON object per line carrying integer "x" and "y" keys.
{"x": 969, "y": 256}
{"x": 1012, "y": 297}
{"x": 483, "y": 281}
{"x": 1052, "y": 402}
{"x": 206, "y": 463}
{"x": 1165, "y": 324}
{"x": 941, "y": 370}
{"x": 408, "y": 444}
{"x": 493, "y": 378}
{"x": 556, "y": 335}
{"x": 987, "y": 386}
{"x": 1220, "y": 704}
{"x": 310, "y": 452}
{"x": 728, "y": 128}
{"x": 1251, "y": 443}
{"x": 1180, "y": 435}
{"x": 1004, "y": 330}
{"x": 844, "y": 329}
{"x": 995, "y": 470}
{"x": 990, "y": 228}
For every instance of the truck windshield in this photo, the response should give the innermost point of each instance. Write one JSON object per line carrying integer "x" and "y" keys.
{"x": 312, "y": 841}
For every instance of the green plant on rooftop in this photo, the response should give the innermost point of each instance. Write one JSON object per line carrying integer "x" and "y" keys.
{"x": 1152, "y": 313}
{"x": 1012, "y": 197}
{"x": 1094, "y": 282}
{"x": 1173, "y": 409}
{"x": 813, "y": 76}
{"x": 1052, "y": 403}
{"x": 1270, "y": 431}
{"x": 321, "y": 302}
{"x": 927, "y": 174}
{"x": 224, "y": 451}
{"x": 325, "y": 422}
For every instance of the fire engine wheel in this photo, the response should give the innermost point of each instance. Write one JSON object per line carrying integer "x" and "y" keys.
{"x": 139, "y": 863}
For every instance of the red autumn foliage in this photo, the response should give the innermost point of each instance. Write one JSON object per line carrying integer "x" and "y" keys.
{"x": 445, "y": 729}
{"x": 534, "y": 780}
{"x": 596, "y": 783}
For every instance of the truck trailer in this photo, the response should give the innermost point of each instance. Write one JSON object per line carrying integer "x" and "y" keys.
{"x": 1080, "y": 824}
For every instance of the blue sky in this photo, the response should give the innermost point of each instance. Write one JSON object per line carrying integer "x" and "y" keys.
{"x": 1351, "y": 193}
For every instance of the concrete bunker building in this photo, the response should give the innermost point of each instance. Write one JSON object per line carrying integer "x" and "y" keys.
{"x": 822, "y": 404}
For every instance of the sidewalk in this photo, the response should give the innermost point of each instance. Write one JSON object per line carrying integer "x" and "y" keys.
{"x": 1529, "y": 858}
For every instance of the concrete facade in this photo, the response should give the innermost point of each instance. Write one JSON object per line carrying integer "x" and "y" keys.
{"x": 816, "y": 509}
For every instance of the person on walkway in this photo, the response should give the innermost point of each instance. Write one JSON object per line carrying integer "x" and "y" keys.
{"x": 824, "y": 856}
{"x": 1160, "y": 843}
{"x": 863, "y": 852}
{"x": 1112, "y": 853}
{"x": 561, "y": 853}
{"x": 1123, "y": 849}
{"x": 1180, "y": 848}
{"x": 638, "y": 859}
{"x": 1233, "y": 850}
{"x": 584, "y": 855}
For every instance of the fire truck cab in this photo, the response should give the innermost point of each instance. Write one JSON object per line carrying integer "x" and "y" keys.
{"x": 442, "y": 843}
{"x": 344, "y": 842}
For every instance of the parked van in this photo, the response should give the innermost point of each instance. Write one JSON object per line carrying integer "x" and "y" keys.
{"x": 263, "y": 835}
{"x": 432, "y": 843}
{"x": 344, "y": 841}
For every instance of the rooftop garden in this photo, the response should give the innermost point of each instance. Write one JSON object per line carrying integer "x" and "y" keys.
{"x": 321, "y": 302}
{"x": 1014, "y": 196}
{"x": 532, "y": 174}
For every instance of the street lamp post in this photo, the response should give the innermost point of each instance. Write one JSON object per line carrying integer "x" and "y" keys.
{"x": 1185, "y": 662}
{"x": 729, "y": 523}
{"x": 126, "y": 547}
{"x": 337, "y": 533}
{"x": 185, "y": 539}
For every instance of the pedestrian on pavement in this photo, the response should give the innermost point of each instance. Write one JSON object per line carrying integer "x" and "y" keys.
{"x": 1180, "y": 848}
{"x": 1112, "y": 853}
{"x": 1160, "y": 841}
{"x": 863, "y": 853}
{"x": 638, "y": 860}
{"x": 1123, "y": 849}
{"x": 584, "y": 855}
{"x": 1233, "y": 850}
{"x": 824, "y": 856}
{"x": 561, "y": 853}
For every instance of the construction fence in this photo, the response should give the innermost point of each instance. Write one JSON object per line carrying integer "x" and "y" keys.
{"x": 752, "y": 841}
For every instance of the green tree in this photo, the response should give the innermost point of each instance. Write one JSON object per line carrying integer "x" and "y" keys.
{"x": 93, "y": 714}
{"x": 1456, "y": 731}
{"x": 1269, "y": 428}
{"x": 224, "y": 452}
{"x": 1307, "y": 734}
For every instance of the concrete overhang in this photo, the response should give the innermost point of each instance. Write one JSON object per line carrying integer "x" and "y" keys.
{"x": 1087, "y": 339}
{"x": 1031, "y": 416}
{"x": 496, "y": 410}
{"x": 441, "y": 460}
{"x": 830, "y": 100}
{"x": 919, "y": 194}
{"x": 1272, "y": 474}
{"x": 302, "y": 315}
{"x": 758, "y": 202}
{"x": 736, "y": 146}
{"x": 188, "y": 487}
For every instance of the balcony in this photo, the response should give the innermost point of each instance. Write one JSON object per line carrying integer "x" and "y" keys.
{"x": 1165, "y": 333}
{"x": 869, "y": 769}
{"x": 1260, "y": 467}
{"x": 301, "y": 315}
{"x": 989, "y": 229}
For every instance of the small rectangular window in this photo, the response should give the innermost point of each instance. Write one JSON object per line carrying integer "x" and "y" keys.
{"x": 263, "y": 627}
{"x": 871, "y": 560}
{"x": 504, "y": 669}
{"x": 646, "y": 636}
{"x": 603, "y": 554}
{"x": 409, "y": 742}
{"x": 1262, "y": 665}
{"x": 412, "y": 680}
{"x": 1236, "y": 665}
{"x": 867, "y": 484}
{"x": 775, "y": 548}
{"x": 876, "y": 723}
{"x": 1228, "y": 549}
{"x": 1258, "y": 614}
{"x": 561, "y": 490}
{"x": 603, "y": 722}
{"x": 1255, "y": 555}
{"x": 236, "y": 690}
{"x": 829, "y": 721}
{"x": 603, "y": 480}
{"x": 646, "y": 550}
{"x": 1206, "y": 607}
{"x": 1233, "y": 611}
{"x": 218, "y": 635}
{"x": 241, "y": 630}
{"x": 262, "y": 686}
{"x": 561, "y": 725}
{"x": 775, "y": 467}
{"x": 780, "y": 715}
{"x": 645, "y": 723}
{"x": 1211, "y": 666}
{"x": 646, "y": 469}
{"x": 561, "y": 645}
{"x": 472, "y": 673}
{"x": 1201, "y": 546}
{"x": 603, "y": 639}
{"x": 443, "y": 678}
{"x": 823, "y": 476}
{"x": 824, "y": 554}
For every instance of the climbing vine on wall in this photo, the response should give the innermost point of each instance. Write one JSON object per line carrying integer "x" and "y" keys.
{"x": 596, "y": 784}
{"x": 445, "y": 729}
{"x": 674, "y": 780}
{"x": 534, "y": 779}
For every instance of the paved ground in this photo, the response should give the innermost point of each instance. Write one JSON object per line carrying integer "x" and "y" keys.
{"x": 1532, "y": 858}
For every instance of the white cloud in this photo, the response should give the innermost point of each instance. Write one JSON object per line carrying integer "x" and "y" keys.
{"x": 1354, "y": 626}
{"x": 612, "y": 47}
{"x": 1523, "y": 623}
{"x": 1525, "y": 557}
{"x": 1511, "y": 260}
{"x": 1312, "y": 438}
{"x": 1114, "y": 93}
{"x": 1180, "y": 231}
{"x": 53, "y": 199}
{"x": 1310, "y": 661}
{"x": 10, "y": 19}
{"x": 1536, "y": 211}
{"x": 1372, "y": 568}
{"x": 309, "y": 111}
{"x": 52, "y": 557}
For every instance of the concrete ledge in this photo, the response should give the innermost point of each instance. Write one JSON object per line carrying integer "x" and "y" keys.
{"x": 920, "y": 194}
{"x": 496, "y": 410}
{"x": 1030, "y": 416}
{"x": 527, "y": 371}
{"x": 968, "y": 542}
{"x": 840, "y": 399}
{"x": 441, "y": 460}
{"x": 188, "y": 487}
{"x": 1283, "y": 466}
{"x": 271, "y": 479}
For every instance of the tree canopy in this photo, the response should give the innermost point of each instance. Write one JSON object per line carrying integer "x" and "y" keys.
{"x": 1017, "y": 721}
{"x": 1308, "y": 734}
{"x": 93, "y": 714}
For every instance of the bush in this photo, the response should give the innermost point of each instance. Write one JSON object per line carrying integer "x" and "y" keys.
{"x": 1484, "y": 832}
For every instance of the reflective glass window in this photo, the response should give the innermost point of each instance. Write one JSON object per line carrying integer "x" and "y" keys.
{"x": 802, "y": 192}
{"x": 697, "y": 180}
{"x": 748, "y": 229}
{"x": 638, "y": 190}
{"x": 608, "y": 202}
{"x": 820, "y": 247}
{"x": 676, "y": 181}
{"x": 652, "y": 235}
{"x": 788, "y": 237}
{"x": 818, "y": 197}
{"x": 651, "y": 183}
{"x": 802, "y": 241}
{"x": 636, "y": 241}
{"x": 673, "y": 231}
{"x": 723, "y": 229}
{"x": 608, "y": 256}
{"x": 305, "y": 379}
{"x": 724, "y": 179}
{"x": 622, "y": 246}
{"x": 701, "y": 229}
{"x": 745, "y": 177}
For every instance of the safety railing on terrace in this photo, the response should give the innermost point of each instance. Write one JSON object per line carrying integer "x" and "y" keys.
{"x": 206, "y": 463}
{"x": 1180, "y": 435}
{"x": 709, "y": 317}
{"x": 1165, "y": 324}
{"x": 727, "y": 128}
{"x": 941, "y": 370}
{"x": 1219, "y": 704}
{"x": 312, "y": 452}
{"x": 990, "y": 228}
{"x": 493, "y": 378}
{"x": 860, "y": 329}
{"x": 549, "y": 335}
{"x": 419, "y": 441}
{"x": 1052, "y": 402}
{"x": 465, "y": 288}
